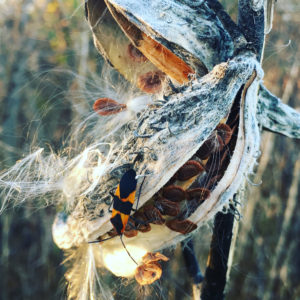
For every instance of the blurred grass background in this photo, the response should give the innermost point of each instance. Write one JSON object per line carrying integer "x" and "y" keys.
{"x": 43, "y": 44}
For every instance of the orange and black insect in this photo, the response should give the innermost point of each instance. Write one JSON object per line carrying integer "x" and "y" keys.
{"x": 123, "y": 200}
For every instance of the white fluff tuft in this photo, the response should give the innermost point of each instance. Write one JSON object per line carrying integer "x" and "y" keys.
{"x": 84, "y": 281}
{"x": 65, "y": 178}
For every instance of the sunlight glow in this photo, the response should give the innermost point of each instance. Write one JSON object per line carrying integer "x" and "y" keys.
{"x": 118, "y": 261}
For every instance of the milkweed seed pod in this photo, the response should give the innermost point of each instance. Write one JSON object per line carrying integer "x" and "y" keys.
{"x": 172, "y": 144}
{"x": 163, "y": 147}
{"x": 193, "y": 147}
{"x": 178, "y": 38}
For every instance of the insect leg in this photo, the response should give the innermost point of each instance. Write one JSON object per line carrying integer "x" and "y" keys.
{"x": 138, "y": 221}
{"x": 127, "y": 251}
{"x": 111, "y": 203}
{"x": 140, "y": 190}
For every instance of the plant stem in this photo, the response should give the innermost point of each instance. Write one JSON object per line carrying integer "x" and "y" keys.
{"x": 215, "y": 274}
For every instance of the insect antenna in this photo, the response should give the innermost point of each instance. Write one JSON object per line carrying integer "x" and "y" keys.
{"x": 127, "y": 250}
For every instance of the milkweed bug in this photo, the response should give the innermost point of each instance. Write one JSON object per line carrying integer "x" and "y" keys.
{"x": 123, "y": 200}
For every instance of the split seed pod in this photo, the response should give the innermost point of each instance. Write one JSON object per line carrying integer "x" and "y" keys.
{"x": 169, "y": 34}
{"x": 117, "y": 49}
{"x": 164, "y": 138}
{"x": 177, "y": 139}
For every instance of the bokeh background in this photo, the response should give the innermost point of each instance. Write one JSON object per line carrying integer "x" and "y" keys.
{"x": 47, "y": 62}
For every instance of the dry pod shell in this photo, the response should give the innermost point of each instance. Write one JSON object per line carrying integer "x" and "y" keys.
{"x": 211, "y": 98}
{"x": 199, "y": 44}
{"x": 114, "y": 45}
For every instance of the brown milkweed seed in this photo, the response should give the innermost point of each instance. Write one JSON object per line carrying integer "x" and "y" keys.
{"x": 184, "y": 227}
{"x": 153, "y": 215}
{"x": 151, "y": 257}
{"x": 213, "y": 144}
{"x": 148, "y": 273}
{"x": 141, "y": 222}
{"x": 144, "y": 227}
{"x": 107, "y": 106}
{"x": 151, "y": 82}
{"x": 167, "y": 207}
{"x": 174, "y": 193}
{"x": 135, "y": 54}
{"x": 225, "y": 132}
{"x": 130, "y": 231}
{"x": 189, "y": 170}
{"x": 112, "y": 232}
{"x": 200, "y": 194}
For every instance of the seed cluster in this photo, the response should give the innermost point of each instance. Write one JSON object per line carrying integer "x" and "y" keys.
{"x": 190, "y": 186}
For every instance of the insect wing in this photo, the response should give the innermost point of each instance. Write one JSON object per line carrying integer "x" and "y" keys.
{"x": 127, "y": 186}
{"x": 117, "y": 222}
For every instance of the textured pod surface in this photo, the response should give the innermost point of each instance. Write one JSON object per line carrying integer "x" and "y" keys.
{"x": 277, "y": 116}
{"x": 190, "y": 30}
